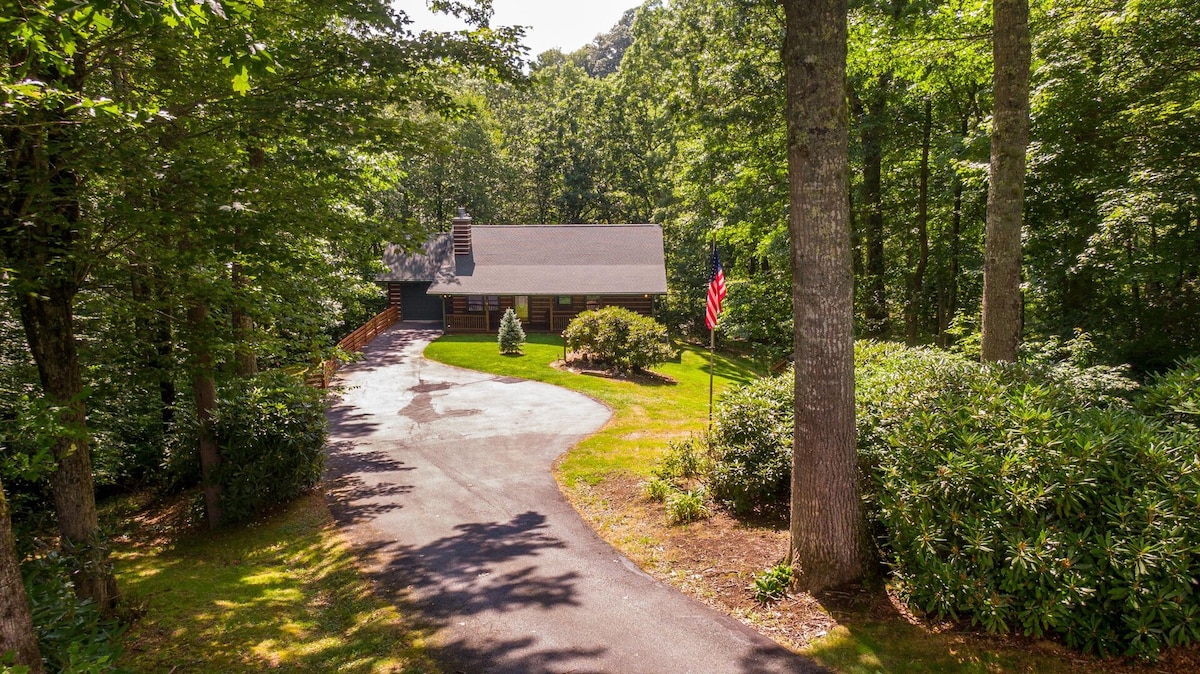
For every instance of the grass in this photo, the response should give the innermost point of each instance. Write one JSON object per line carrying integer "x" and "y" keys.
{"x": 645, "y": 416}
{"x": 283, "y": 594}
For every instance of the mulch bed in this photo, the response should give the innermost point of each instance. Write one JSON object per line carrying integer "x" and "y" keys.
{"x": 716, "y": 560}
{"x": 599, "y": 370}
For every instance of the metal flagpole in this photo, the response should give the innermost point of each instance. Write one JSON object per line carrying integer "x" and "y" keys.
{"x": 712, "y": 348}
{"x": 712, "y": 338}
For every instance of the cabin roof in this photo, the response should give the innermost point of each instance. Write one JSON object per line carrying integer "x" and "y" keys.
{"x": 539, "y": 260}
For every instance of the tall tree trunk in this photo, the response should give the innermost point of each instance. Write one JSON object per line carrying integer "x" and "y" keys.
{"x": 154, "y": 333}
{"x": 827, "y": 541}
{"x": 1006, "y": 184}
{"x": 916, "y": 282}
{"x": 858, "y": 263}
{"x": 16, "y": 622}
{"x": 49, "y": 328}
{"x": 871, "y": 114}
{"x": 204, "y": 391}
{"x": 40, "y": 225}
{"x": 164, "y": 347}
{"x": 950, "y": 295}
{"x": 245, "y": 362}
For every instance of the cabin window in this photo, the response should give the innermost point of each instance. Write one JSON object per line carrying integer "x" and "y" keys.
{"x": 475, "y": 303}
{"x": 493, "y": 302}
{"x": 521, "y": 307}
{"x": 593, "y": 302}
{"x": 564, "y": 300}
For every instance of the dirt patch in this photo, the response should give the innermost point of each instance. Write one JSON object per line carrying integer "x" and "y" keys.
{"x": 153, "y": 521}
{"x": 716, "y": 560}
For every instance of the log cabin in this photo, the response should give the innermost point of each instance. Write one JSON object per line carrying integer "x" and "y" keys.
{"x": 467, "y": 277}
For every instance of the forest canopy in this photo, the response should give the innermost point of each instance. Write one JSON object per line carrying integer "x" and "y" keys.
{"x": 686, "y": 129}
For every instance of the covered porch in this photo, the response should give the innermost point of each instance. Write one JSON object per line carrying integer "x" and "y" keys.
{"x": 538, "y": 313}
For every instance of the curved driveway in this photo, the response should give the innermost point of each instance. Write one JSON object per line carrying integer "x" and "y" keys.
{"x": 442, "y": 476}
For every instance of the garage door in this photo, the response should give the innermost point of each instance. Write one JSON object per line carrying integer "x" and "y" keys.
{"x": 415, "y": 305}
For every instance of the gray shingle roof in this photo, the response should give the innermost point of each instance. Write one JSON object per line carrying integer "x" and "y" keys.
{"x": 433, "y": 261}
{"x": 541, "y": 260}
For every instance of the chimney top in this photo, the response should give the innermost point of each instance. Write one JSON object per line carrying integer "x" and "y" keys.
{"x": 461, "y": 231}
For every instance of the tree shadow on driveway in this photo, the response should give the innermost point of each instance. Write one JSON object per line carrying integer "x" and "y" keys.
{"x": 459, "y": 576}
{"x": 480, "y": 569}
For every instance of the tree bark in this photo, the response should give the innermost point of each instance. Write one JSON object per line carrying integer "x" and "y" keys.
{"x": 916, "y": 282}
{"x": 245, "y": 362}
{"x": 164, "y": 347}
{"x": 827, "y": 543}
{"x": 949, "y": 292}
{"x": 16, "y": 622}
{"x": 878, "y": 321}
{"x": 41, "y": 221}
{"x": 49, "y": 328}
{"x": 1006, "y": 184}
{"x": 204, "y": 391}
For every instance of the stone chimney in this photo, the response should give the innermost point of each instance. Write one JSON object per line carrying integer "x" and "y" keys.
{"x": 461, "y": 228}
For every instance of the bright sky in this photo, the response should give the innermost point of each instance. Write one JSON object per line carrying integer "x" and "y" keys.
{"x": 562, "y": 24}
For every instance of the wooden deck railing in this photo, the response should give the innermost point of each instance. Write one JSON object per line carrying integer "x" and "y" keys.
{"x": 321, "y": 375}
{"x": 560, "y": 323}
{"x": 356, "y": 340}
{"x": 467, "y": 323}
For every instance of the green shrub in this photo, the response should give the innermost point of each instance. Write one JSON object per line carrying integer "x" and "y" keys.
{"x": 620, "y": 338}
{"x": 687, "y": 506}
{"x": 684, "y": 460}
{"x": 772, "y": 584}
{"x": 751, "y": 445}
{"x": 28, "y": 425}
{"x": 1018, "y": 517}
{"x": 1031, "y": 498}
{"x": 511, "y": 336}
{"x": 1174, "y": 396}
{"x": 1044, "y": 497}
{"x": 658, "y": 489}
{"x": 271, "y": 430}
{"x": 72, "y": 634}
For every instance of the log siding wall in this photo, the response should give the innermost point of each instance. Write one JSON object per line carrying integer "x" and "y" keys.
{"x": 545, "y": 313}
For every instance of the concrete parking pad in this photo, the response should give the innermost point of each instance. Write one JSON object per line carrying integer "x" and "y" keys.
{"x": 442, "y": 477}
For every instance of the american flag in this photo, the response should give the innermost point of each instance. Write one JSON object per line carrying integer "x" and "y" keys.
{"x": 716, "y": 293}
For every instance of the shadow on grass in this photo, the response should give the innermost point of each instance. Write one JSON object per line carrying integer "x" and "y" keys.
{"x": 284, "y": 594}
{"x": 724, "y": 367}
{"x": 873, "y": 636}
{"x": 640, "y": 377}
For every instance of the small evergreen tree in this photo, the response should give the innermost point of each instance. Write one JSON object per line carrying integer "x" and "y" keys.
{"x": 512, "y": 336}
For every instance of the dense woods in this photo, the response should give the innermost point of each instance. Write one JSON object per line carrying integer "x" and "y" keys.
{"x": 686, "y": 129}
{"x": 195, "y": 199}
{"x": 192, "y": 194}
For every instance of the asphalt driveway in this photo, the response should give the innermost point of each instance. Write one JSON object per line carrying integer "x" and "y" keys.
{"x": 442, "y": 476}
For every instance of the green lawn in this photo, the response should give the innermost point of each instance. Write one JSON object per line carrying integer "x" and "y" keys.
{"x": 645, "y": 416}
{"x": 283, "y": 595}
